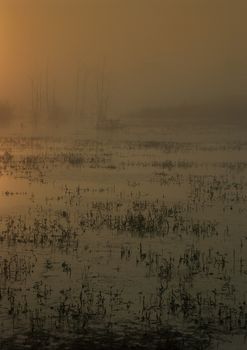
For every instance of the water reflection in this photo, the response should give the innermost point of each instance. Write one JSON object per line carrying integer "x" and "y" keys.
{"x": 122, "y": 242}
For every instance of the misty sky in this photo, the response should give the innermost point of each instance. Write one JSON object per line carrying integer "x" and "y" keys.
{"x": 156, "y": 52}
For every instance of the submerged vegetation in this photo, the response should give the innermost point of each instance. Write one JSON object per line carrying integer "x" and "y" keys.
{"x": 122, "y": 244}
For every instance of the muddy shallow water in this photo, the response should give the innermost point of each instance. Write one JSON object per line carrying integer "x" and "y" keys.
{"x": 129, "y": 239}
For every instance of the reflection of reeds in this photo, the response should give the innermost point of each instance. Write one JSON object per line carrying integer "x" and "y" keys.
{"x": 98, "y": 260}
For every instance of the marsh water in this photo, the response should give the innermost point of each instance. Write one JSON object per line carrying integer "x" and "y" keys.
{"x": 129, "y": 238}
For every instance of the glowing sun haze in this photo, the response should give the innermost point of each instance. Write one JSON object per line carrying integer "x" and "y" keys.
{"x": 156, "y": 51}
